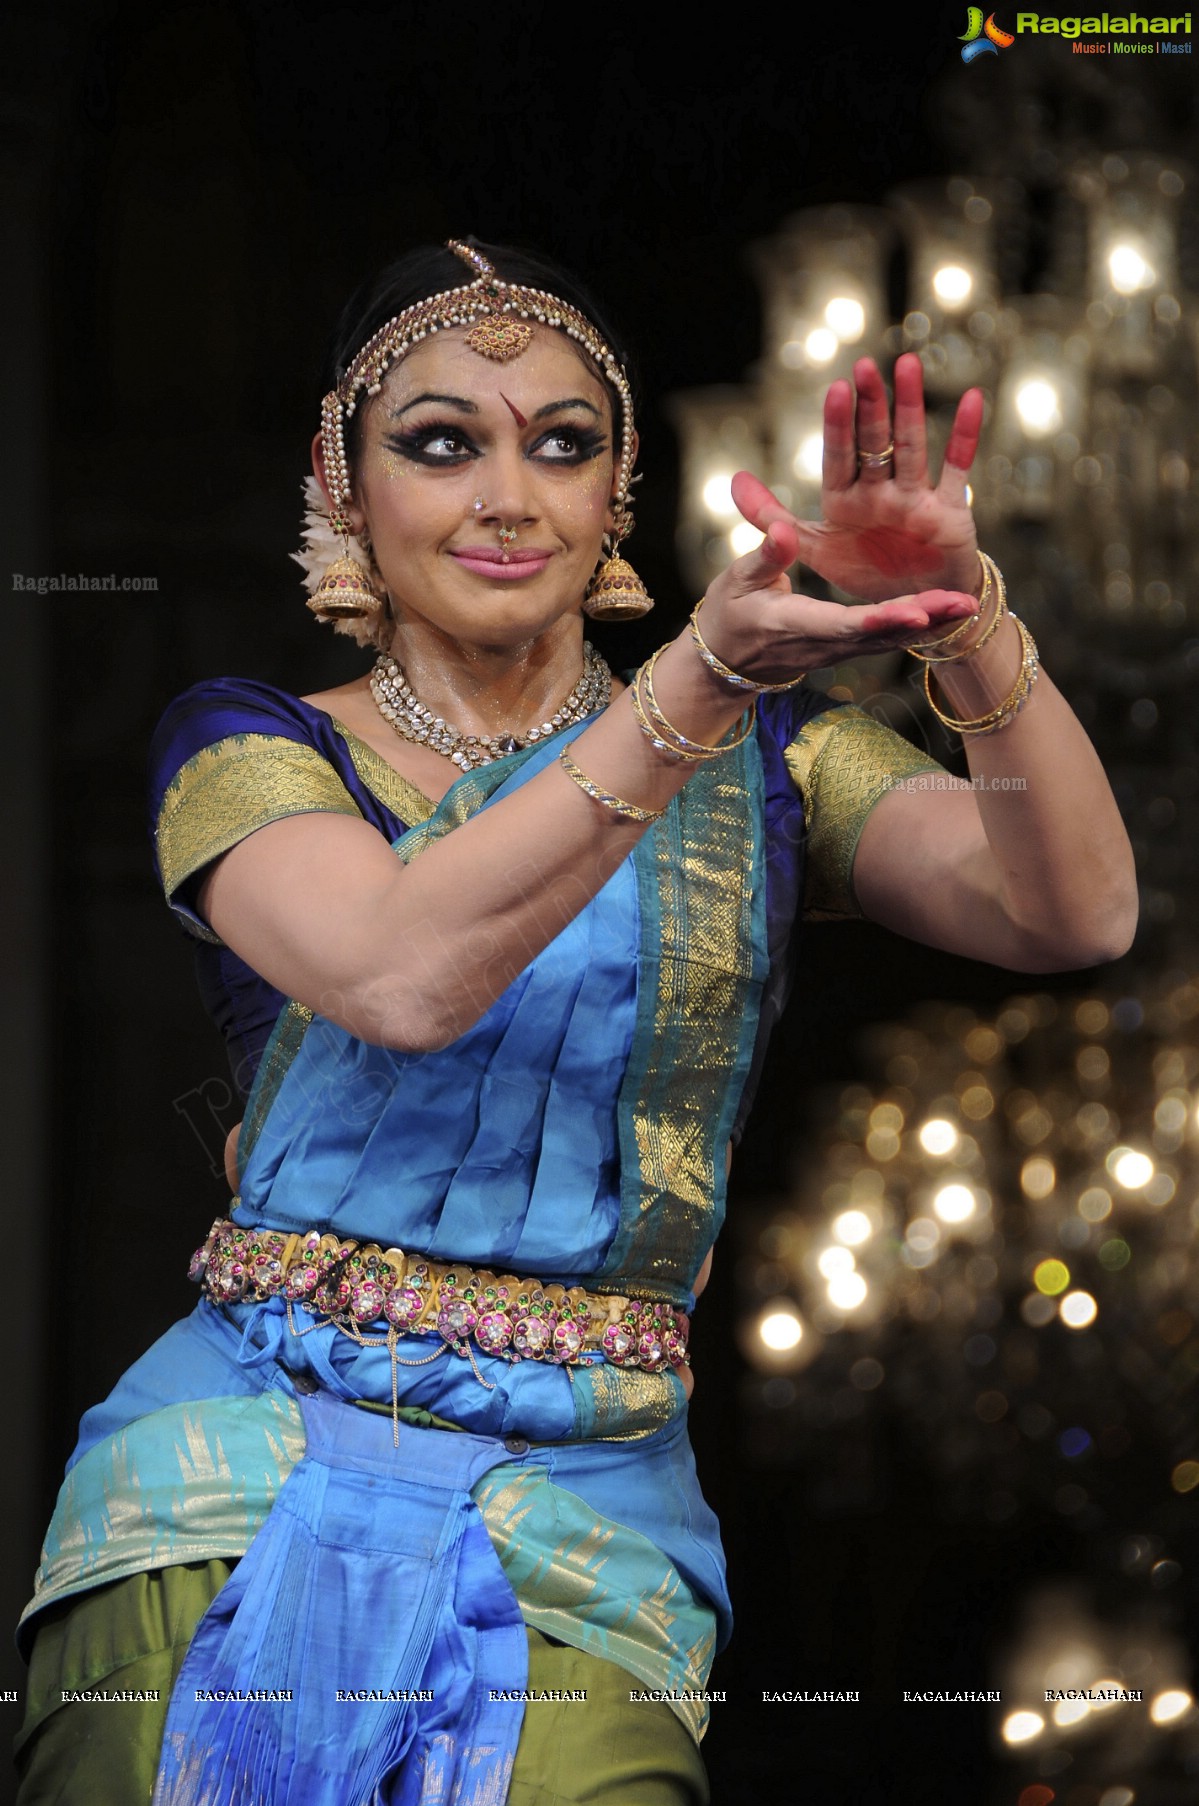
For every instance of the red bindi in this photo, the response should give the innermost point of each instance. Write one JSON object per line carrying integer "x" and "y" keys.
{"x": 515, "y": 412}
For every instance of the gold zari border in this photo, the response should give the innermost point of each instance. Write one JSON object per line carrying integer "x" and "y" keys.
{"x": 842, "y": 763}
{"x": 232, "y": 788}
{"x": 394, "y": 791}
{"x": 700, "y": 877}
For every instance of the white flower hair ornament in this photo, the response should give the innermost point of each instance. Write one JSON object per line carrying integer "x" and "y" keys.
{"x": 343, "y": 584}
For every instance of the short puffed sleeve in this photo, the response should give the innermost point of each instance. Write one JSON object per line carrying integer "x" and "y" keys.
{"x": 843, "y": 761}
{"x": 227, "y": 758}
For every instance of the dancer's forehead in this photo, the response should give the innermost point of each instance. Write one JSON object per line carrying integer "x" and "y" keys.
{"x": 548, "y": 377}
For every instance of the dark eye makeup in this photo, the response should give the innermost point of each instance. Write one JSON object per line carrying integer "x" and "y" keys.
{"x": 442, "y": 444}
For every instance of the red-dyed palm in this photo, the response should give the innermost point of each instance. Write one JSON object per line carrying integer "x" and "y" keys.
{"x": 886, "y": 531}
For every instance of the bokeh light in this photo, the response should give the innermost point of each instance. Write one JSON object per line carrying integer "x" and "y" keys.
{"x": 1129, "y": 270}
{"x": 1038, "y": 405}
{"x": 1022, "y": 1727}
{"x": 853, "y": 1227}
{"x": 1168, "y": 1707}
{"x": 1051, "y": 1277}
{"x": 938, "y": 1136}
{"x": 718, "y": 494}
{"x": 955, "y": 1203}
{"x": 1078, "y": 1310}
{"x": 1130, "y": 1168}
{"x": 809, "y": 457}
{"x": 846, "y": 317}
{"x": 780, "y": 1328}
{"x": 847, "y": 1291}
{"x": 952, "y": 284}
{"x": 821, "y": 345}
{"x": 744, "y": 538}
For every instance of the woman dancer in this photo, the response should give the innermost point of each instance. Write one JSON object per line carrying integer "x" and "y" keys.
{"x": 405, "y": 1511}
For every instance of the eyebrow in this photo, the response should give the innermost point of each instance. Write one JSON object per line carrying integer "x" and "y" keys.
{"x": 574, "y": 401}
{"x": 453, "y": 401}
{"x": 471, "y": 407}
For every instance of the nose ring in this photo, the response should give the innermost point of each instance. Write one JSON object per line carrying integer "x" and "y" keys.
{"x": 478, "y": 504}
{"x": 506, "y": 537}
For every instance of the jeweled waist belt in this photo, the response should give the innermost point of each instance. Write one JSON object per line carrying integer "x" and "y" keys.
{"x": 354, "y": 1284}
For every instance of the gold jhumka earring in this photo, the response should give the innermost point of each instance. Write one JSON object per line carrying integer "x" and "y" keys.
{"x": 616, "y": 592}
{"x": 345, "y": 591}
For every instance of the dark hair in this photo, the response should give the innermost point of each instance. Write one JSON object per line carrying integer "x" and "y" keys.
{"x": 430, "y": 269}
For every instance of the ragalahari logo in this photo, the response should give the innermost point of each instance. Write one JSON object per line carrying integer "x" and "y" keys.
{"x": 982, "y": 39}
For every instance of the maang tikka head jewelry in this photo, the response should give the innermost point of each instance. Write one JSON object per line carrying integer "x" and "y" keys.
{"x": 500, "y": 317}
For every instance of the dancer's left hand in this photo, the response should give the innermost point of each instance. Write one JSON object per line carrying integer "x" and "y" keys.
{"x": 886, "y": 529}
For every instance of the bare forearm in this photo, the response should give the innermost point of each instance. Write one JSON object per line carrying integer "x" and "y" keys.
{"x": 412, "y": 955}
{"x": 1031, "y": 867}
{"x": 1062, "y": 854}
{"x": 482, "y": 902}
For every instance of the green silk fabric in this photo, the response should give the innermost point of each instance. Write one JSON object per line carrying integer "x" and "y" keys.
{"x": 133, "y": 1634}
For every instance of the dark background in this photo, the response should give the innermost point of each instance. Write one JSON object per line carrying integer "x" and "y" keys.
{"x": 192, "y": 192}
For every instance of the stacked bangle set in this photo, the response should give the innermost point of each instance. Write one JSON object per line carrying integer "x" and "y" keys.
{"x": 948, "y": 650}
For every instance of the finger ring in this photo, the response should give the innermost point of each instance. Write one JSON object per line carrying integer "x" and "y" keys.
{"x": 876, "y": 460}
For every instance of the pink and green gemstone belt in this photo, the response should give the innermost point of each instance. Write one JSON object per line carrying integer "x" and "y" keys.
{"x": 356, "y": 1285}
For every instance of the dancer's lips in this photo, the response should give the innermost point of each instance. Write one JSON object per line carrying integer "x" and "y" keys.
{"x": 486, "y": 561}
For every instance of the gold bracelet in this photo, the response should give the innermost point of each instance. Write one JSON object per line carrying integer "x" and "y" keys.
{"x": 617, "y": 804}
{"x": 936, "y": 651}
{"x": 738, "y": 681}
{"x": 939, "y": 651}
{"x": 664, "y": 737}
{"x": 1010, "y": 707}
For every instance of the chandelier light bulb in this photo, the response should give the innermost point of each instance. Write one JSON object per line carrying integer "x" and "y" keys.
{"x": 821, "y": 345}
{"x": 718, "y": 496}
{"x": 1128, "y": 270}
{"x": 1129, "y": 1168}
{"x": 809, "y": 459}
{"x": 853, "y": 1227}
{"x": 846, "y": 317}
{"x": 1037, "y": 405}
{"x": 1170, "y": 1705}
{"x": 1078, "y": 1310}
{"x": 744, "y": 538}
{"x": 938, "y": 1136}
{"x": 847, "y": 1291}
{"x": 780, "y": 1329}
{"x": 955, "y": 1203}
{"x": 1022, "y": 1727}
{"x": 952, "y": 284}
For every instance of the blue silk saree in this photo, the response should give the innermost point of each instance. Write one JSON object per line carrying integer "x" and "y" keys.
{"x": 576, "y": 1134}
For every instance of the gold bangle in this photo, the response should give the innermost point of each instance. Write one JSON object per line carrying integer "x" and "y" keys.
{"x": 729, "y": 676}
{"x": 1010, "y": 707}
{"x": 659, "y": 744}
{"x": 939, "y": 651}
{"x": 617, "y": 804}
{"x": 664, "y": 737}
